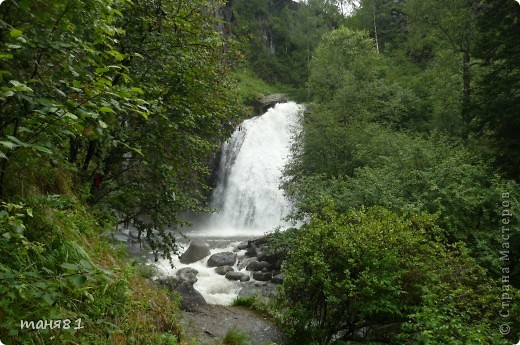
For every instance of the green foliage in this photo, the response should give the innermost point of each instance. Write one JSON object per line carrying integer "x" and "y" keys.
{"x": 235, "y": 337}
{"x": 370, "y": 267}
{"x": 49, "y": 271}
{"x": 251, "y": 87}
{"x": 452, "y": 26}
{"x": 395, "y": 123}
{"x": 281, "y": 36}
{"x": 282, "y": 241}
{"x": 373, "y": 137}
{"x": 347, "y": 79}
{"x": 383, "y": 19}
{"x": 263, "y": 305}
{"x": 498, "y": 94}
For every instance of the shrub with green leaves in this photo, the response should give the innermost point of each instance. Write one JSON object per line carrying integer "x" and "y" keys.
{"x": 368, "y": 270}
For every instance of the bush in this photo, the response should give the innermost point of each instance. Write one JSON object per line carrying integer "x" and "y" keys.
{"x": 369, "y": 268}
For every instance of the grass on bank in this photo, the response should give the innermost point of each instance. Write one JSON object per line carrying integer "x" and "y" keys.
{"x": 251, "y": 87}
{"x": 236, "y": 337}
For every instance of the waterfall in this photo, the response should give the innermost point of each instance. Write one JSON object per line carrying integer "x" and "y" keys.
{"x": 247, "y": 194}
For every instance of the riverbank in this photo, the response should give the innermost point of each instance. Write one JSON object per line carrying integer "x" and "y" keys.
{"x": 209, "y": 324}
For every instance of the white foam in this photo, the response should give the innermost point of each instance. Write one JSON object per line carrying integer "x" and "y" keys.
{"x": 215, "y": 288}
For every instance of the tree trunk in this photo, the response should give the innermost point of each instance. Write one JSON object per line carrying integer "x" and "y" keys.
{"x": 90, "y": 154}
{"x": 375, "y": 25}
{"x": 73, "y": 149}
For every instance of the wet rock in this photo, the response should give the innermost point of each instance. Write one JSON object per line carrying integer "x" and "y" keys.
{"x": 237, "y": 276}
{"x": 222, "y": 259}
{"x": 257, "y": 265}
{"x": 196, "y": 251}
{"x": 263, "y": 104}
{"x": 134, "y": 233}
{"x": 267, "y": 290}
{"x": 245, "y": 262}
{"x": 188, "y": 274}
{"x": 278, "y": 279}
{"x": 190, "y": 298}
{"x": 260, "y": 241}
{"x": 252, "y": 250}
{"x": 262, "y": 276}
{"x": 242, "y": 245}
{"x": 268, "y": 254}
{"x": 222, "y": 270}
{"x": 119, "y": 237}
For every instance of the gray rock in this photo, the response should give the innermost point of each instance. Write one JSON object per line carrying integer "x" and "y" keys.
{"x": 278, "y": 279}
{"x": 242, "y": 245}
{"x": 188, "y": 274}
{"x": 252, "y": 250}
{"x": 263, "y": 104}
{"x": 245, "y": 262}
{"x": 268, "y": 254}
{"x": 196, "y": 251}
{"x": 134, "y": 233}
{"x": 260, "y": 241}
{"x": 222, "y": 270}
{"x": 185, "y": 270}
{"x": 190, "y": 298}
{"x": 119, "y": 237}
{"x": 262, "y": 276}
{"x": 236, "y": 276}
{"x": 257, "y": 265}
{"x": 252, "y": 290}
{"x": 222, "y": 259}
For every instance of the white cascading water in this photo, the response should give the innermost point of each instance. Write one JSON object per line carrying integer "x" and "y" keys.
{"x": 247, "y": 193}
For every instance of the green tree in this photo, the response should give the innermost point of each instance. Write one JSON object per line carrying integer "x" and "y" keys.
{"x": 498, "y": 93}
{"x": 129, "y": 98}
{"x": 57, "y": 83}
{"x": 452, "y": 25}
{"x": 180, "y": 63}
{"x": 385, "y": 20}
{"x": 282, "y": 35}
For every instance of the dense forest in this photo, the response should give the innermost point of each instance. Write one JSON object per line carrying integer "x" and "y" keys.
{"x": 405, "y": 171}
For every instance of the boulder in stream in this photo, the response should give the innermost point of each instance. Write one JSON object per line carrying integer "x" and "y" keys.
{"x": 196, "y": 251}
{"x": 257, "y": 265}
{"x": 222, "y": 259}
{"x": 188, "y": 274}
{"x": 262, "y": 276}
{"x": 222, "y": 270}
{"x": 237, "y": 276}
